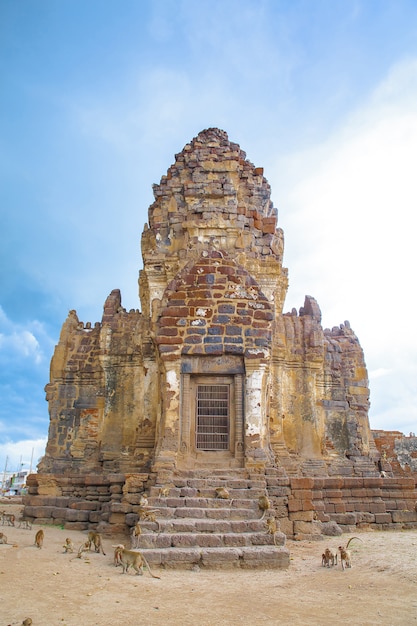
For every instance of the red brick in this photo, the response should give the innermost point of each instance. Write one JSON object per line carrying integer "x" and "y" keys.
{"x": 175, "y": 311}
{"x": 168, "y": 340}
{"x": 167, "y": 321}
{"x": 168, "y": 331}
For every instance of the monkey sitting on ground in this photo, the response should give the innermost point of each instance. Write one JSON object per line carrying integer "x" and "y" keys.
{"x": 39, "y": 538}
{"x": 95, "y": 539}
{"x": 84, "y": 547}
{"x": 3, "y": 538}
{"x": 345, "y": 555}
{"x": 68, "y": 545}
{"x": 136, "y": 531}
{"x": 328, "y": 558}
{"x": 264, "y": 505}
{"x": 128, "y": 558}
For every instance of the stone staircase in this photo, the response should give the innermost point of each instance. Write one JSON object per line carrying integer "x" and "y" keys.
{"x": 196, "y": 529}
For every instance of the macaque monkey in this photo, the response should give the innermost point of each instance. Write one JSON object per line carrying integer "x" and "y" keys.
{"x": 272, "y": 527}
{"x": 95, "y": 539}
{"x": 164, "y": 492}
{"x": 143, "y": 500}
{"x": 136, "y": 531}
{"x": 128, "y": 558}
{"x": 39, "y": 538}
{"x": 68, "y": 545}
{"x": 149, "y": 516}
{"x": 328, "y": 558}
{"x": 3, "y": 538}
{"x": 24, "y": 522}
{"x": 116, "y": 557}
{"x": 264, "y": 505}
{"x": 84, "y": 547}
{"x": 345, "y": 555}
{"x": 8, "y": 518}
{"x": 222, "y": 493}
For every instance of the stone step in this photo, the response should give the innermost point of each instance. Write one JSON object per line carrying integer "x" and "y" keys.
{"x": 314, "y": 467}
{"x": 199, "y": 525}
{"x": 206, "y": 490}
{"x": 208, "y": 540}
{"x": 217, "y": 512}
{"x": 203, "y": 503}
{"x": 194, "y": 528}
{"x": 267, "y": 557}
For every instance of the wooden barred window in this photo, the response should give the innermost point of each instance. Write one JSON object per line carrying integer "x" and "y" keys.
{"x": 213, "y": 412}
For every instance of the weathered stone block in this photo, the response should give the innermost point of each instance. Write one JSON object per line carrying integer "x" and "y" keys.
{"x": 304, "y": 516}
{"x": 74, "y": 515}
{"x": 404, "y": 516}
{"x": 345, "y": 519}
{"x": 311, "y": 528}
{"x": 117, "y": 518}
{"x": 294, "y": 505}
{"x": 120, "y": 507}
{"x": 76, "y": 525}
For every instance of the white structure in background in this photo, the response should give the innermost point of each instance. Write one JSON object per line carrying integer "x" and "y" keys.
{"x": 14, "y": 483}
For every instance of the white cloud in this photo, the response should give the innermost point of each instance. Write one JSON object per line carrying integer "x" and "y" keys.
{"x": 348, "y": 217}
{"x": 25, "y": 454}
{"x": 19, "y": 341}
{"x": 378, "y": 373}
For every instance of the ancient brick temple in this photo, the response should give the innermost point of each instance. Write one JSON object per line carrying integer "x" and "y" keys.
{"x": 210, "y": 378}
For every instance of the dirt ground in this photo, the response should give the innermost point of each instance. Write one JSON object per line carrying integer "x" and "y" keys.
{"x": 54, "y": 588}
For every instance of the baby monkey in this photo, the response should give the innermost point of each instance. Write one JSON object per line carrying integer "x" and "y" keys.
{"x": 136, "y": 531}
{"x": 68, "y": 545}
{"x": 328, "y": 558}
{"x": 272, "y": 527}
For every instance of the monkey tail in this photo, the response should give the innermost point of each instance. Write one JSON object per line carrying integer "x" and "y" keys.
{"x": 149, "y": 569}
{"x": 351, "y": 539}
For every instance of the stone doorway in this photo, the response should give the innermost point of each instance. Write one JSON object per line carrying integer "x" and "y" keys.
{"x": 211, "y": 421}
{"x": 212, "y": 416}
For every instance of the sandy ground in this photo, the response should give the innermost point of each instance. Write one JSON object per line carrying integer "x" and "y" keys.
{"x": 54, "y": 588}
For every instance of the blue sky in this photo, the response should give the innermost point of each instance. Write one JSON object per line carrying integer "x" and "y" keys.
{"x": 96, "y": 98}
